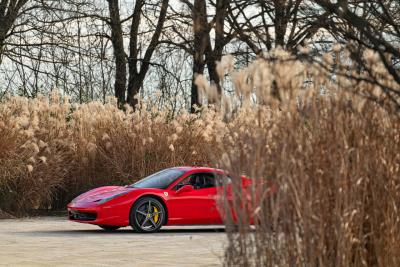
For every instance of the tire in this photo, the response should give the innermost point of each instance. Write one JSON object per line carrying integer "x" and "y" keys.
{"x": 109, "y": 228}
{"x": 147, "y": 215}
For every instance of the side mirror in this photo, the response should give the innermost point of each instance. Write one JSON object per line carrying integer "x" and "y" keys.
{"x": 185, "y": 188}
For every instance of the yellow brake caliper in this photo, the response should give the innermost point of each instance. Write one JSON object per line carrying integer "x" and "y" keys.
{"x": 155, "y": 216}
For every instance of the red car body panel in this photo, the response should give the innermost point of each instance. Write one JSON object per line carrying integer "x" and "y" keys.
{"x": 196, "y": 207}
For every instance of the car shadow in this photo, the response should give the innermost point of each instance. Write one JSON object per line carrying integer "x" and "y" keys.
{"x": 124, "y": 231}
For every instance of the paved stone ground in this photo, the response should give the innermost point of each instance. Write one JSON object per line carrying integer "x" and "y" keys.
{"x": 54, "y": 241}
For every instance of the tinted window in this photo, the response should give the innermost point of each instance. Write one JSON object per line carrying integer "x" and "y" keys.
{"x": 160, "y": 179}
{"x": 198, "y": 181}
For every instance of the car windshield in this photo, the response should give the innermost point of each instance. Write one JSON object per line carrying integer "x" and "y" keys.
{"x": 160, "y": 180}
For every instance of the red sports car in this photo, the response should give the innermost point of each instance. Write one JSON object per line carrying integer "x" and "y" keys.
{"x": 175, "y": 196}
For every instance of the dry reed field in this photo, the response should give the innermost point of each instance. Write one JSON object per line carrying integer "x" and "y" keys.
{"x": 328, "y": 143}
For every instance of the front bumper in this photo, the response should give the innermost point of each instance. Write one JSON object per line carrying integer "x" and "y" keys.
{"x": 98, "y": 215}
{"x": 76, "y": 215}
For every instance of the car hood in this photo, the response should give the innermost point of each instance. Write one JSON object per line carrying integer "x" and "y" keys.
{"x": 101, "y": 193}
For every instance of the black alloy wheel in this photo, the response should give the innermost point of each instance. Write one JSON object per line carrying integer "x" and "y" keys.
{"x": 147, "y": 215}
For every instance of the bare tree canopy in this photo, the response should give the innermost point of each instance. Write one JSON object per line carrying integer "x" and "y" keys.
{"x": 93, "y": 49}
{"x": 9, "y": 12}
{"x": 373, "y": 25}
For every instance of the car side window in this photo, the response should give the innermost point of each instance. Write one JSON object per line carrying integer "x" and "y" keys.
{"x": 222, "y": 180}
{"x": 198, "y": 181}
{"x": 182, "y": 183}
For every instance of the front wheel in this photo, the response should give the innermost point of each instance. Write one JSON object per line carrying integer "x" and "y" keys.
{"x": 109, "y": 228}
{"x": 147, "y": 215}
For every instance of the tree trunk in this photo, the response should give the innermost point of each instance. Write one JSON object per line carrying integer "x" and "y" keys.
{"x": 200, "y": 30}
{"x": 280, "y": 23}
{"x": 119, "y": 51}
{"x": 136, "y": 78}
{"x": 1, "y": 49}
{"x": 133, "y": 85}
{"x": 2, "y": 38}
{"x": 198, "y": 68}
{"x": 212, "y": 58}
{"x": 215, "y": 55}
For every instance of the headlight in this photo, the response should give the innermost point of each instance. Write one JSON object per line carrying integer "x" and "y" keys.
{"x": 104, "y": 200}
{"x": 74, "y": 200}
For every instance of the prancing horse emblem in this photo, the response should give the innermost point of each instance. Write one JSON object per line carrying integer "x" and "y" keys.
{"x": 166, "y": 194}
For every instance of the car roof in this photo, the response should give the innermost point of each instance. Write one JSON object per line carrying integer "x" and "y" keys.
{"x": 198, "y": 168}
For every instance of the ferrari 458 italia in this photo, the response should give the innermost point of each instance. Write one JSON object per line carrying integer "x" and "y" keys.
{"x": 175, "y": 196}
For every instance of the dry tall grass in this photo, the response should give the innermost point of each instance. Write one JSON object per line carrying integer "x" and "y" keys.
{"x": 338, "y": 178}
{"x": 51, "y": 150}
{"x": 335, "y": 160}
{"x": 333, "y": 156}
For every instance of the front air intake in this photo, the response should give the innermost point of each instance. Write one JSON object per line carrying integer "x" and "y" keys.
{"x": 82, "y": 216}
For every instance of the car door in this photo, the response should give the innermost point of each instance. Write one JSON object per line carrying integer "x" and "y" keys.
{"x": 197, "y": 206}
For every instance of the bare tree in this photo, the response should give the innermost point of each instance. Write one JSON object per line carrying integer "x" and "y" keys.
{"x": 9, "y": 12}
{"x": 89, "y": 49}
{"x": 137, "y": 75}
{"x": 207, "y": 41}
{"x": 138, "y": 67}
{"x": 117, "y": 39}
{"x": 373, "y": 25}
{"x": 284, "y": 23}
{"x": 55, "y": 44}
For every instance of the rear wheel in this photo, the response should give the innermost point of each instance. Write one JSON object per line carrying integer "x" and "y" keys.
{"x": 109, "y": 228}
{"x": 147, "y": 215}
